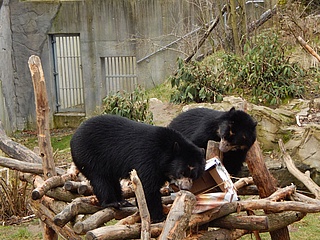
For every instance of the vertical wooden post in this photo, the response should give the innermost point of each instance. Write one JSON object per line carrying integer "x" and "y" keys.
{"x": 265, "y": 182}
{"x": 42, "y": 111}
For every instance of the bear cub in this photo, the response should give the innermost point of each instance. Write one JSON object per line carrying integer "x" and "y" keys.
{"x": 235, "y": 131}
{"x": 106, "y": 148}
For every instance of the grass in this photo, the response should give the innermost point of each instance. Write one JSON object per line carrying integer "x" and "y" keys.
{"x": 30, "y": 230}
{"x": 305, "y": 229}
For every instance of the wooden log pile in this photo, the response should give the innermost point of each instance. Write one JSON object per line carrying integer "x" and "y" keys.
{"x": 65, "y": 203}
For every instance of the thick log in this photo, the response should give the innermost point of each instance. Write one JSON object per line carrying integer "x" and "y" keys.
{"x": 42, "y": 111}
{"x": 130, "y": 220}
{"x": 142, "y": 204}
{"x": 47, "y": 216}
{"x": 16, "y": 150}
{"x": 57, "y": 193}
{"x": 94, "y": 221}
{"x": 53, "y": 182}
{"x": 83, "y": 187}
{"x": 241, "y": 222}
{"x": 304, "y": 178}
{"x": 249, "y": 205}
{"x": 220, "y": 234}
{"x": 270, "y": 222}
{"x": 265, "y": 182}
{"x": 178, "y": 218}
{"x": 27, "y": 167}
{"x": 118, "y": 232}
{"x": 80, "y": 205}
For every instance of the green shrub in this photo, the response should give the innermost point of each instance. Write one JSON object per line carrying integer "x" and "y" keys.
{"x": 195, "y": 82}
{"x": 134, "y": 106}
{"x": 263, "y": 74}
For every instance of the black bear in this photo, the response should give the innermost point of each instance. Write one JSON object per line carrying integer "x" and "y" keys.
{"x": 106, "y": 148}
{"x": 234, "y": 129}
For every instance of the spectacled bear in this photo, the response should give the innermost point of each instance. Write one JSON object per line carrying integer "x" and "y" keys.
{"x": 235, "y": 131}
{"x": 106, "y": 148}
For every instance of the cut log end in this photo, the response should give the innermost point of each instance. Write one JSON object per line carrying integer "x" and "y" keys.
{"x": 35, "y": 194}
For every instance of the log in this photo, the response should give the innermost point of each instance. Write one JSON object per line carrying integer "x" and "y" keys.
{"x": 28, "y": 167}
{"x": 142, "y": 204}
{"x": 16, "y": 150}
{"x": 130, "y": 220}
{"x": 42, "y": 111}
{"x": 249, "y": 205}
{"x": 80, "y": 205}
{"x": 50, "y": 183}
{"x": 270, "y": 222}
{"x": 46, "y": 216}
{"x": 94, "y": 221}
{"x": 83, "y": 187}
{"x": 57, "y": 193}
{"x": 304, "y": 178}
{"x": 178, "y": 218}
{"x": 220, "y": 234}
{"x": 250, "y": 223}
{"x": 118, "y": 232}
{"x": 44, "y": 140}
{"x": 308, "y": 48}
{"x": 265, "y": 182}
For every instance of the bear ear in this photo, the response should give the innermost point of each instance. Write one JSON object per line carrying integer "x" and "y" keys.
{"x": 176, "y": 148}
{"x": 232, "y": 110}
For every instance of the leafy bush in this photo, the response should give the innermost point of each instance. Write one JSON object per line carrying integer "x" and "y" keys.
{"x": 134, "y": 106}
{"x": 195, "y": 82}
{"x": 263, "y": 74}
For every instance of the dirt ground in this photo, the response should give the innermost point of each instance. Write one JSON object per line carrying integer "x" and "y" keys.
{"x": 163, "y": 112}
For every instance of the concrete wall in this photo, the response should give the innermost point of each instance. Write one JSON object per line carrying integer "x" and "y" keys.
{"x": 106, "y": 27}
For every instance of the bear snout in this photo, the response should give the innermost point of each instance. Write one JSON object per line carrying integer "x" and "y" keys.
{"x": 184, "y": 183}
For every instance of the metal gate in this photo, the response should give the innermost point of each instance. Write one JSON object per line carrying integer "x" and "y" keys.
{"x": 67, "y": 73}
{"x": 120, "y": 73}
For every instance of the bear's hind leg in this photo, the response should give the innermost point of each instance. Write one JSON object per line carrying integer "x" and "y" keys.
{"x": 108, "y": 193}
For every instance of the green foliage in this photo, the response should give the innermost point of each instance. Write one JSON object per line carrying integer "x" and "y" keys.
{"x": 134, "y": 106}
{"x": 195, "y": 82}
{"x": 263, "y": 74}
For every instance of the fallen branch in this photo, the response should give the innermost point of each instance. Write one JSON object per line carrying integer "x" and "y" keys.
{"x": 83, "y": 187}
{"x": 270, "y": 222}
{"x": 16, "y": 150}
{"x": 122, "y": 232}
{"x": 27, "y": 167}
{"x": 50, "y": 183}
{"x": 308, "y": 48}
{"x": 80, "y": 205}
{"x": 304, "y": 178}
{"x": 94, "y": 221}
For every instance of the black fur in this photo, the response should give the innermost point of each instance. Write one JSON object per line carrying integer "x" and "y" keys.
{"x": 234, "y": 129}
{"x": 107, "y": 147}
